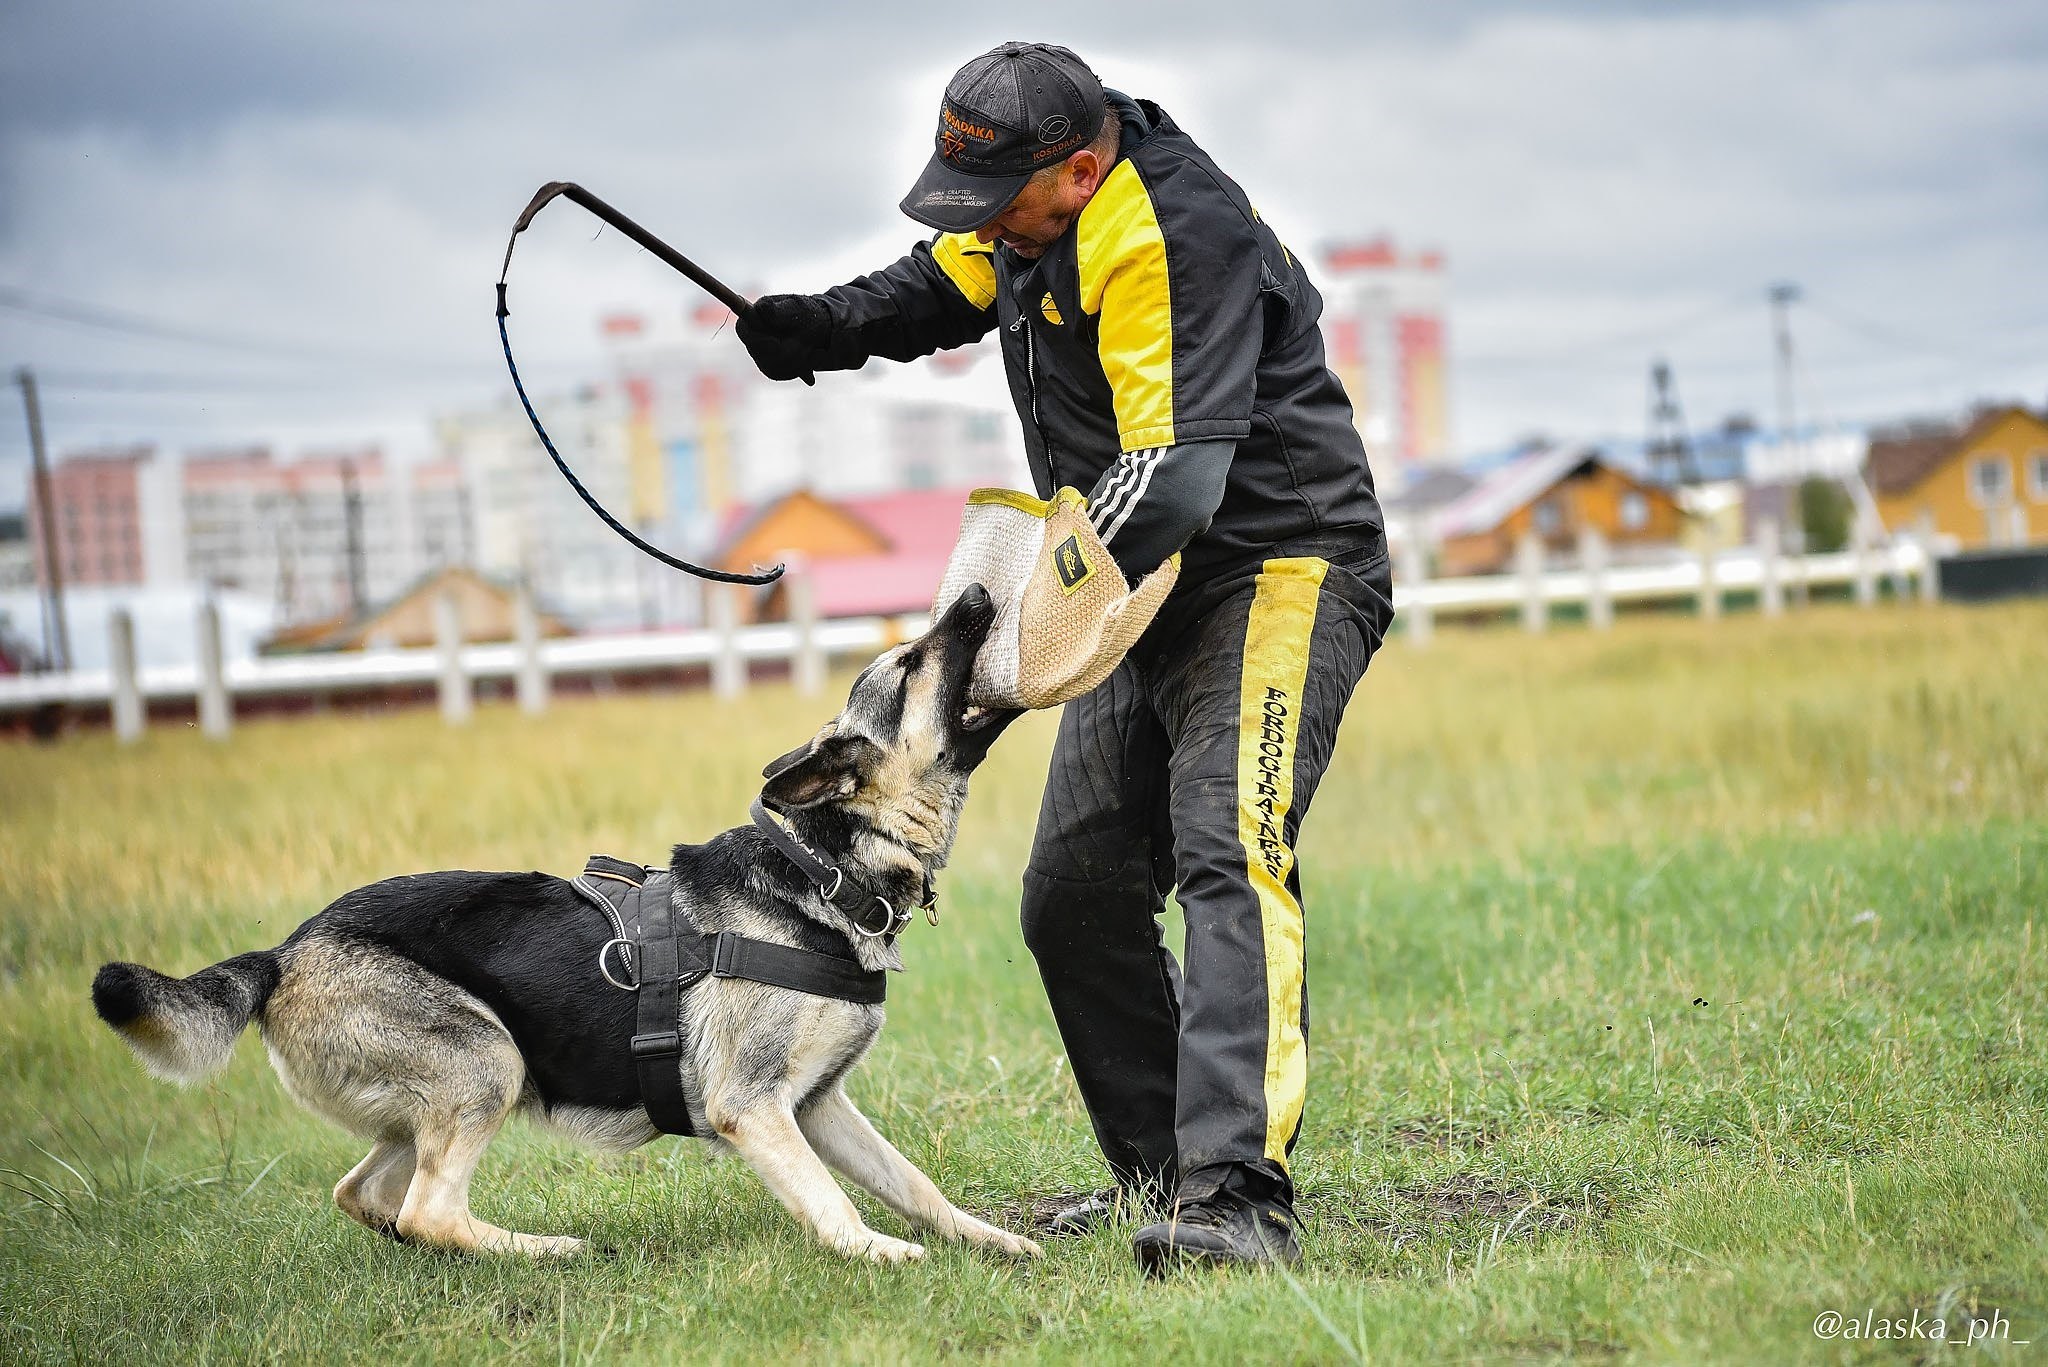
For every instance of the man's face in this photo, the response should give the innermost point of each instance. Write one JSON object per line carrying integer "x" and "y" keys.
{"x": 1045, "y": 208}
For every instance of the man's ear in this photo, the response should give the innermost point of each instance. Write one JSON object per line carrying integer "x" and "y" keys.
{"x": 1088, "y": 171}
{"x": 830, "y": 767}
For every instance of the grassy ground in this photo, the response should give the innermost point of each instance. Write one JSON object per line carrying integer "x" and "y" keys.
{"x": 1672, "y": 988}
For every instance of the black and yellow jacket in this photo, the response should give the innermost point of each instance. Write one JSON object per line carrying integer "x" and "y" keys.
{"x": 1163, "y": 354}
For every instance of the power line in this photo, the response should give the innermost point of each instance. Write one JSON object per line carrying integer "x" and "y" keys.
{"x": 52, "y": 308}
{"x": 16, "y": 300}
{"x": 1580, "y": 351}
{"x": 106, "y": 382}
{"x": 143, "y": 385}
{"x": 1884, "y": 335}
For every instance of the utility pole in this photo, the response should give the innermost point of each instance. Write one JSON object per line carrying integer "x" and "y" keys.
{"x": 352, "y": 532}
{"x": 56, "y": 631}
{"x": 1669, "y": 449}
{"x": 287, "y": 575}
{"x": 467, "y": 555}
{"x": 1783, "y": 296}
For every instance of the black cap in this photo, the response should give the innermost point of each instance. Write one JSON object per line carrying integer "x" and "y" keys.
{"x": 1011, "y": 111}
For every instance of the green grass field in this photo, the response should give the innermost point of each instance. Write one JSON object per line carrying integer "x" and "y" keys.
{"x": 1672, "y": 987}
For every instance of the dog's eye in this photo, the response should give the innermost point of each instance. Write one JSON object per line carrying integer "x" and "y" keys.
{"x": 913, "y": 661}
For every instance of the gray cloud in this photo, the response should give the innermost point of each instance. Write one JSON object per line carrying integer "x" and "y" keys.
{"x": 1596, "y": 171}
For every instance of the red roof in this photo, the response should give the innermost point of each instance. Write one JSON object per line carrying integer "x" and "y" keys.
{"x": 919, "y": 526}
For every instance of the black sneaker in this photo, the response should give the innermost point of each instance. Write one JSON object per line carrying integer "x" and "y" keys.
{"x": 1219, "y": 1225}
{"x": 1098, "y": 1211}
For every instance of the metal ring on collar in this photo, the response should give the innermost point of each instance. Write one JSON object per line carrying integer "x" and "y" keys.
{"x": 892, "y": 920}
{"x": 838, "y": 879}
{"x": 625, "y": 958}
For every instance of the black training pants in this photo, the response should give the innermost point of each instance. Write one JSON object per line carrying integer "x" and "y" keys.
{"x": 1191, "y": 769}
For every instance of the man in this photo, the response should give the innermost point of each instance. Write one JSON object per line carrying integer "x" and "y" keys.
{"x": 1163, "y": 353}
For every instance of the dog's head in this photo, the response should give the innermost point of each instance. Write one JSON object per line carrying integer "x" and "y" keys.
{"x": 897, "y": 758}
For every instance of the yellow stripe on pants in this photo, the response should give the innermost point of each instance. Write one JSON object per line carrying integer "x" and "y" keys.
{"x": 1276, "y": 642}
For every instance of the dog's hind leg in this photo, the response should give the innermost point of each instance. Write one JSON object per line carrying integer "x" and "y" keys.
{"x": 447, "y": 1145}
{"x": 844, "y": 1138}
{"x": 374, "y": 1190}
{"x": 767, "y": 1136}
{"x": 398, "y": 1054}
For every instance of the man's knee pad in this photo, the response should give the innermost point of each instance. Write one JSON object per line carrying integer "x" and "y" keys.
{"x": 1064, "y": 915}
{"x": 1040, "y": 913}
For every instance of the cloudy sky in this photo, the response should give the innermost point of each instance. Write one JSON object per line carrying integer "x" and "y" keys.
{"x": 281, "y": 221}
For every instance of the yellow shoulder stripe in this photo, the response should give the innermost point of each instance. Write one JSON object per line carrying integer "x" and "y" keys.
{"x": 969, "y": 264}
{"x": 1122, "y": 261}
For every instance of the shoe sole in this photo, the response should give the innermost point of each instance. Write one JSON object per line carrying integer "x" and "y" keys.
{"x": 1158, "y": 1259}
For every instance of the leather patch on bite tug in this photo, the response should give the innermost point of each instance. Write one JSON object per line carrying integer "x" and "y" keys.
{"x": 1063, "y": 619}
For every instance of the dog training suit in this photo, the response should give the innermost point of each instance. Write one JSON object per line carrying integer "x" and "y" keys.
{"x": 1164, "y": 355}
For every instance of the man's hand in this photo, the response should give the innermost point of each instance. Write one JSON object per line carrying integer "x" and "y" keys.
{"x": 787, "y": 335}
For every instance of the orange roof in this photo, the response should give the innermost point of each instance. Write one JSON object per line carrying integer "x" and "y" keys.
{"x": 917, "y": 527}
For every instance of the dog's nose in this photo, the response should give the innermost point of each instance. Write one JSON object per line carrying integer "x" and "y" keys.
{"x": 970, "y": 616}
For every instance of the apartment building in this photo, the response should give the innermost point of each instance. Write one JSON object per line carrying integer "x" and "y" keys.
{"x": 320, "y": 537}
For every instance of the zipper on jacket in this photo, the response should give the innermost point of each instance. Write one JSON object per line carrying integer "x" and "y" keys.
{"x": 1031, "y": 388}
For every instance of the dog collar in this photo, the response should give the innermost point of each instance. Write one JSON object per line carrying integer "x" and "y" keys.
{"x": 870, "y": 913}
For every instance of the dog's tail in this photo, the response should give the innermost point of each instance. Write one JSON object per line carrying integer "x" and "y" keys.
{"x": 184, "y": 1029}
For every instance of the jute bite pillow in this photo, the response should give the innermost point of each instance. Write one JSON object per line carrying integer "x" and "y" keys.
{"x": 1064, "y": 616}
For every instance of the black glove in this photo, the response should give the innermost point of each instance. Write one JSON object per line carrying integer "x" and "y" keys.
{"x": 787, "y": 335}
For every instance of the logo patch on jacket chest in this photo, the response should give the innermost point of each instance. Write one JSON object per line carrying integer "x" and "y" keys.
{"x": 1051, "y": 310}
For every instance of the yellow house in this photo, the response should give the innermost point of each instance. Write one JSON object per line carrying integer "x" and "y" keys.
{"x": 1986, "y": 485}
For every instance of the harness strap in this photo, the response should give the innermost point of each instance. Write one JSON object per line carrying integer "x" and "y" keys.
{"x": 658, "y": 1042}
{"x": 801, "y": 970}
{"x": 604, "y": 866}
{"x": 672, "y": 956}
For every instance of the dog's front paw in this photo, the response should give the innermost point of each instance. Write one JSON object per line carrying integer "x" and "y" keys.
{"x": 1016, "y": 1245}
{"x": 1025, "y": 1248}
{"x": 982, "y": 1234}
{"x": 881, "y": 1248}
{"x": 548, "y": 1245}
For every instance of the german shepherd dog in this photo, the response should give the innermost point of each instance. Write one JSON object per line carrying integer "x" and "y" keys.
{"x": 420, "y": 1012}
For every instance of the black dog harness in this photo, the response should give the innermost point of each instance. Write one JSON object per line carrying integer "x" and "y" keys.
{"x": 654, "y": 954}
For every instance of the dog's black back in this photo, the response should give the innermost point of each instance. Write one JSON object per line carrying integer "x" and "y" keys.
{"x": 527, "y": 944}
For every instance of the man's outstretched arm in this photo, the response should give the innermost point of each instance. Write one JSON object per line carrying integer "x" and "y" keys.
{"x": 941, "y": 295}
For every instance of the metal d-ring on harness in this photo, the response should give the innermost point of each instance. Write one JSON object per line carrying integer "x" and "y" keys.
{"x": 663, "y": 954}
{"x": 619, "y": 939}
{"x": 576, "y": 194}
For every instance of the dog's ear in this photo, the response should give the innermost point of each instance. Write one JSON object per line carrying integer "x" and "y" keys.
{"x": 827, "y": 768}
{"x": 775, "y": 767}
{"x": 781, "y": 762}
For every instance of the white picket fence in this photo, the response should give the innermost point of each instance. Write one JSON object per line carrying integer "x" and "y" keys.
{"x": 807, "y": 646}
{"x": 1706, "y": 579}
